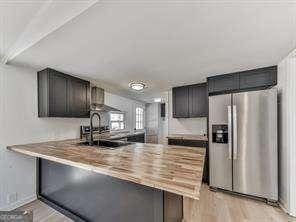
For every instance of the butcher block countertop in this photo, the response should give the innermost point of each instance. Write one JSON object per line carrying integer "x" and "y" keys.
{"x": 116, "y": 135}
{"x": 188, "y": 137}
{"x": 171, "y": 168}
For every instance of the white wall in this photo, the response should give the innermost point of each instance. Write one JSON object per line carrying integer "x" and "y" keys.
{"x": 163, "y": 127}
{"x": 19, "y": 124}
{"x": 153, "y": 124}
{"x": 126, "y": 105}
{"x": 287, "y": 131}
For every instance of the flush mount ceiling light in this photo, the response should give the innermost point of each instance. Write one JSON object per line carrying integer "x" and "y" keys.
{"x": 138, "y": 86}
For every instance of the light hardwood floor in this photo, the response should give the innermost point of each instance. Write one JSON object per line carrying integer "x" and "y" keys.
{"x": 214, "y": 207}
{"x": 44, "y": 213}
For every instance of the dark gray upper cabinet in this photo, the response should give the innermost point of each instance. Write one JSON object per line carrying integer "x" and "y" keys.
{"x": 258, "y": 77}
{"x": 242, "y": 81}
{"x": 198, "y": 105}
{"x": 62, "y": 95}
{"x": 58, "y": 105}
{"x": 180, "y": 102}
{"x": 79, "y": 95}
{"x": 223, "y": 83}
{"x": 190, "y": 101}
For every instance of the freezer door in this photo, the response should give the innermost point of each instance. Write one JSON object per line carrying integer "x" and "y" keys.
{"x": 255, "y": 143}
{"x": 220, "y": 153}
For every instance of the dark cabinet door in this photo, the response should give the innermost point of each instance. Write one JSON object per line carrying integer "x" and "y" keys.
{"x": 62, "y": 95}
{"x": 263, "y": 77}
{"x": 198, "y": 100}
{"x": 180, "y": 102}
{"x": 140, "y": 138}
{"x": 162, "y": 110}
{"x": 192, "y": 143}
{"x": 58, "y": 101}
{"x": 97, "y": 197}
{"x": 223, "y": 83}
{"x": 78, "y": 97}
{"x": 177, "y": 142}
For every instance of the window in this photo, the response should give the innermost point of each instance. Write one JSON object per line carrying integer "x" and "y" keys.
{"x": 139, "y": 118}
{"x": 117, "y": 121}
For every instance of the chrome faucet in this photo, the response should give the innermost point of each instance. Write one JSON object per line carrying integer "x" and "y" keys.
{"x": 91, "y": 139}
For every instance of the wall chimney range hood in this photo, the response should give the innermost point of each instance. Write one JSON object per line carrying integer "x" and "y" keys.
{"x": 98, "y": 101}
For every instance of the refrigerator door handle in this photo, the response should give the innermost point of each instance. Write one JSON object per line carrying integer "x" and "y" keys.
{"x": 229, "y": 133}
{"x": 234, "y": 132}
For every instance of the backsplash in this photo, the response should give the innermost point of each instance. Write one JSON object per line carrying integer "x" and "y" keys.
{"x": 188, "y": 126}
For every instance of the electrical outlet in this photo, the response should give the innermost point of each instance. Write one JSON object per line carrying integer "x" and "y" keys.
{"x": 11, "y": 198}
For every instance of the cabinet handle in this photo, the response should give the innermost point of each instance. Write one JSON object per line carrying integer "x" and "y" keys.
{"x": 229, "y": 133}
{"x": 234, "y": 132}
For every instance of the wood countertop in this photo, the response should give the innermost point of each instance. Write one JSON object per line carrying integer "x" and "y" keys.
{"x": 174, "y": 169}
{"x": 116, "y": 135}
{"x": 188, "y": 137}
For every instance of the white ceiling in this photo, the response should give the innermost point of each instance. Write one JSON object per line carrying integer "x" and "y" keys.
{"x": 13, "y": 19}
{"x": 23, "y": 23}
{"x": 165, "y": 43}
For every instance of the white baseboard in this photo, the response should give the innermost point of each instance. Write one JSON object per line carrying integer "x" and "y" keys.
{"x": 19, "y": 203}
{"x": 284, "y": 207}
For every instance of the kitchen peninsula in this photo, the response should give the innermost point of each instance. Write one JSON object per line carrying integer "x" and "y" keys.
{"x": 137, "y": 182}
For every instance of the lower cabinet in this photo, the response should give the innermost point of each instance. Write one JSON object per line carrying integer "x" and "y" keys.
{"x": 84, "y": 195}
{"x": 181, "y": 142}
{"x": 195, "y": 143}
{"x": 138, "y": 138}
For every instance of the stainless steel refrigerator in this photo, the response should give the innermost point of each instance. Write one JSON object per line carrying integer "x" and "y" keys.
{"x": 243, "y": 143}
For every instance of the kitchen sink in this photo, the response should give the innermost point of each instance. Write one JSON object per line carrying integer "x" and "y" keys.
{"x": 107, "y": 143}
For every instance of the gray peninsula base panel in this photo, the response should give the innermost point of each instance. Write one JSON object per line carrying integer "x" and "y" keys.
{"x": 96, "y": 197}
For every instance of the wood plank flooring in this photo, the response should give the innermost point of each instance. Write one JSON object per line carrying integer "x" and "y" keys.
{"x": 44, "y": 213}
{"x": 214, "y": 207}
{"x": 222, "y": 207}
